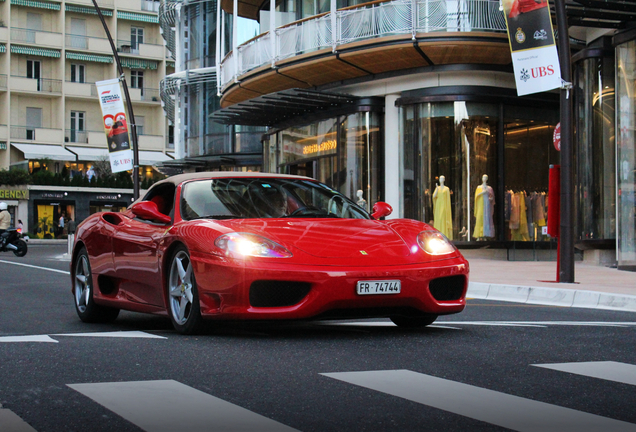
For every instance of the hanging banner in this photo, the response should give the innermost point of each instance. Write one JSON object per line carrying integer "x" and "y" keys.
{"x": 115, "y": 125}
{"x": 534, "y": 54}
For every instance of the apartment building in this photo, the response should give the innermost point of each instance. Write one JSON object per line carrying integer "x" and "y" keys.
{"x": 51, "y": 55}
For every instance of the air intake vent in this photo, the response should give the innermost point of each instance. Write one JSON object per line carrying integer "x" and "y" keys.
{"x": 278, "y": 293}
{"x": 447, "y": 288}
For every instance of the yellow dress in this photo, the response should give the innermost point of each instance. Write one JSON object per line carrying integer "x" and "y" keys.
{"x": 521, "y": 233}
{"x": 484, "y": 226}
{"x": 442, "y": 215}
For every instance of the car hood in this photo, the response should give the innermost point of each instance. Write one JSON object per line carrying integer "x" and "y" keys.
{"x": 331, "y": 238}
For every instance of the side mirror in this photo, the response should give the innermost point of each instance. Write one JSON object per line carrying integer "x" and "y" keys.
{"x": 148, "y": 210}
{"x": 381, "y": 209}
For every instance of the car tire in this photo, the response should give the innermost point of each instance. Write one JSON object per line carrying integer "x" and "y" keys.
{"x": 184, "y": 308}
{"x": 413, "y": 321}
{"x": 22, "y": 248}
{"x": 87, "y": 310}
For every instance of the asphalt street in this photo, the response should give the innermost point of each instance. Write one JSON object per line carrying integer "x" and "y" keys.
{"x": 496, "y": 366}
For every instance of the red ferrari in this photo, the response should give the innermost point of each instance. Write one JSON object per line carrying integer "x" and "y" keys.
{"x": 253, "y": 246}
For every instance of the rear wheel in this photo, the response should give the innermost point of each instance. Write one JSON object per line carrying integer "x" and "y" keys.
{"x": 414, "y": 321}
{"x": 85, "y": 306}
{"x": 22, "y": 248}
{"x": 183, "y": 298}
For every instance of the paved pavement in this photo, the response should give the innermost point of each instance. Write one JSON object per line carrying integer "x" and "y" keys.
{"x": 534, "y": 282}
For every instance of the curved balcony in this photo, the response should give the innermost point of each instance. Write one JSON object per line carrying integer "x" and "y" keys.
{"x": 368, "y": 40}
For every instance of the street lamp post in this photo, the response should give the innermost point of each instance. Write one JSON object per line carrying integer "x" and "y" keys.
{"x": 133, "y": 126}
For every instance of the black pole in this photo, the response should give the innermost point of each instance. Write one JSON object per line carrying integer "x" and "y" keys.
{"x": 566, "y": 228}
{"x": 133, "y": 126}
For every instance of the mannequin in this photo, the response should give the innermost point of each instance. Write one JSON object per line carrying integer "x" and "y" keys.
{"x": 442, "y": 214}
{"x": 484, "y": 209}
{"x": 361, "y": 201}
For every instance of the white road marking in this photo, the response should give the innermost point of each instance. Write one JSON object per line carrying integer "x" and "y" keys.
{"x": 168, "y": 406}
{"x": 36, "y": 267}
{"x": 10, "y": 422}
{"x": 606, "y": 370}
{"x": 47, "y": 338}
{"x": 512, "y": 412}
{"x": 117, "y": 334}
{"x": 34, "y": 338}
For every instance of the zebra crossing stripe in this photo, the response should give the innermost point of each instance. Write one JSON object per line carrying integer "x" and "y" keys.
{"x": 10, "y": 422}
{"x": 512, "y": 412}
{"x": 168, "y": 406}
{"x": 606, "y": 370}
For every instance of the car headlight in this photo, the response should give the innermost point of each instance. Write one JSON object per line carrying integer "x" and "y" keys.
{"x": 246, "y": 244}
{"x": 435, "y": 243}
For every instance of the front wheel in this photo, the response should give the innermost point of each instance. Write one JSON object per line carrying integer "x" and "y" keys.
{"x": 413, "y": 321}
{"x": 21, "y": 248}
{"x": 86, "y": 308}
{"x": 183, "y": 298}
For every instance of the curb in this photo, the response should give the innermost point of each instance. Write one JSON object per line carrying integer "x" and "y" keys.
{"x": 552, "y": 296}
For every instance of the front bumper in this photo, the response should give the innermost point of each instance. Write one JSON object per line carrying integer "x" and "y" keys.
{"x": 224, "y": 288}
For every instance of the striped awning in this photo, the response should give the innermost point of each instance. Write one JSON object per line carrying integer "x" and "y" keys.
{"x": 42, "y": 52}
{"x": 135, "y": 63}
{"x": 132, "y": 16}
{"x": 87, "y": 10}
{"x": 37, "y": 4}
{"x": 89, "y": 57}
{"x": 3, "y": 48}
{"x": 170, "y": 64}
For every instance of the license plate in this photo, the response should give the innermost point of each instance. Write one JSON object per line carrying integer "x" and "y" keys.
{"x": 378, "y": 287}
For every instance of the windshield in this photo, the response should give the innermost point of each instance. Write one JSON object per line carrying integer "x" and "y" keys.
{"x": 265, "y": 198}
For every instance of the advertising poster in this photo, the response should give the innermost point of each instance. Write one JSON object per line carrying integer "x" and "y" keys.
{"x": 534, "y": 54}
{"x": 115, "y": 125}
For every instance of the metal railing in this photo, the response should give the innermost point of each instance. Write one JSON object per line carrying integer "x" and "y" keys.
{"x": 24, "y": 132}
{"x": 46, "y": 85}
{"x": 150, "y": 95}
{"x": 149, "y": 6}
{"x": 79, "y": 41}
{"x": 397, "y": 17}
{"x": 76, "y": 136}
{"x": 26, "y": 35}
{"x": 125, "y": 46}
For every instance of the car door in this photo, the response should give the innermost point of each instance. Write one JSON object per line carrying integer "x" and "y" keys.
{"x": 135, "y": 252}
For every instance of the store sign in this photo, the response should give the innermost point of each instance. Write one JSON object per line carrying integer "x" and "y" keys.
{"x": 115, "y": 125}
{"x": 21, "y": 194}
{"x": 53, "y": 195}
{"x": 533, "y": 49}
{"x": 108, "y": 197}
{"x": 323, "y": 147}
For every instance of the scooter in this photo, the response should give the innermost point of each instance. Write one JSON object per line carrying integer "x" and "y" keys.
{"x": 11, "y": 240}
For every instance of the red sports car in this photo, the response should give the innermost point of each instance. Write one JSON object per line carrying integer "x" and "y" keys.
{"x": 253, "y": 246}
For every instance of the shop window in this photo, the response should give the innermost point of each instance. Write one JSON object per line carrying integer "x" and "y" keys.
{"x": 529, "y": 152}
{"x": 595, "y": 149}
{"x": 626, "y": 154}
{"x": 343, "y": 152}
{"x": 449, "y": 150}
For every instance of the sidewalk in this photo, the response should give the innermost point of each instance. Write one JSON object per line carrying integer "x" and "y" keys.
{"x": 525, "y": 282}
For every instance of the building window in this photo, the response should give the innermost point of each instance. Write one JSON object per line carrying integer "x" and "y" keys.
{"x": 140, "y": 121}
{"x": 77, "y": 132}
{"x": 137, "y": 80}
{"x": 77, "y": 73}
{"x": 34, "y": 71}
{"x": 136, "y": 37}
